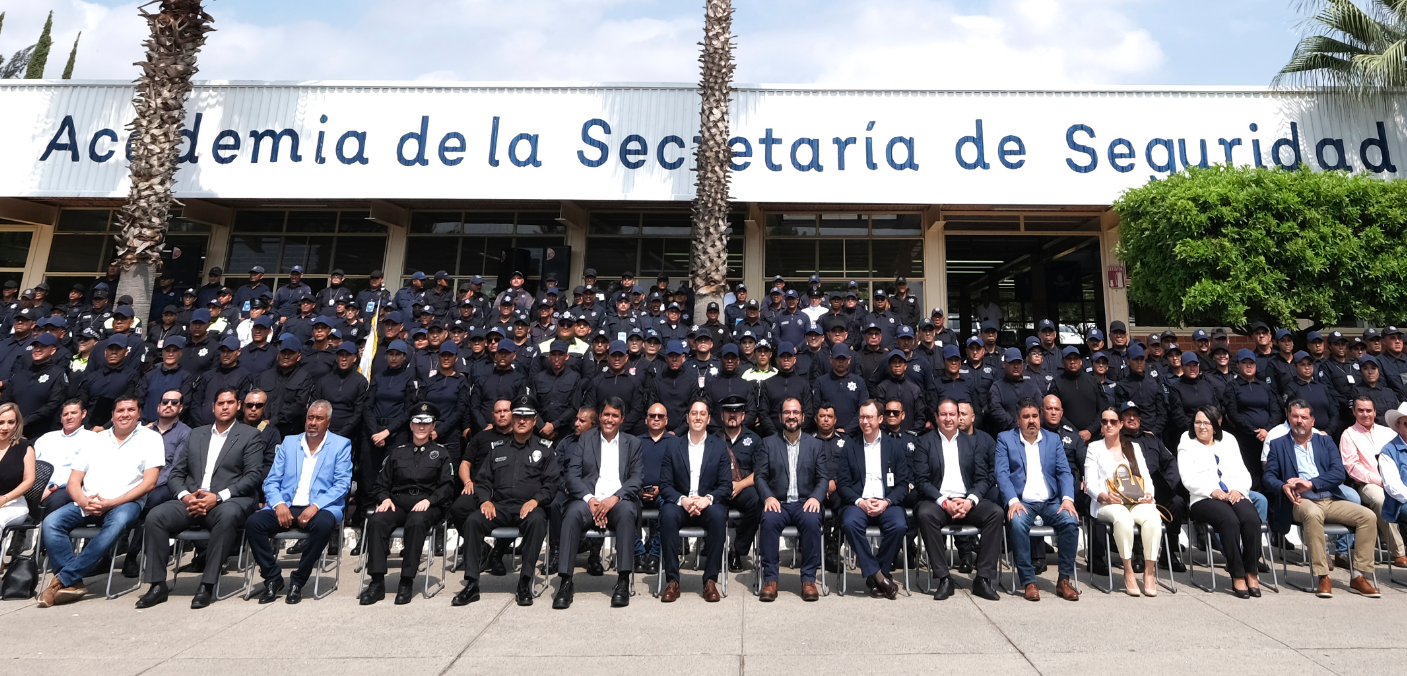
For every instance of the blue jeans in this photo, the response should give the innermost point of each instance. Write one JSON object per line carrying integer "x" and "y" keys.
{"x": 70, "y": 568}
{"x": 1067, "y": 535}
{"x": 1344, "y": 542}
{"x": 1261, "y": 504}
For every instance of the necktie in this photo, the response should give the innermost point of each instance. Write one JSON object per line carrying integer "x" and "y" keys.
{"x": 1219, "y": 482}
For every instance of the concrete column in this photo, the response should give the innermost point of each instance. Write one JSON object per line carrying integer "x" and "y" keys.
{"x": 754, "y": 250}
{"x": 935, "y": 263}
{"x": 397, "y": 221}
{"x": 1116, "y": 301}
{"x": 576, "y": 220}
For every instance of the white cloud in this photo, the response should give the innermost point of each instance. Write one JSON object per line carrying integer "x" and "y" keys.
{"x": 902, "y": 43}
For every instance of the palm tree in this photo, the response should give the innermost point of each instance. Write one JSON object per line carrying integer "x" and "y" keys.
{"x": 1359, "y": 49}
{"x": 710, "y": 248}
{"x": 177, "y": 34}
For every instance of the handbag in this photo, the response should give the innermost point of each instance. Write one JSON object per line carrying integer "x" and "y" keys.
{"x": 21, "y": 579}
{"x": 1124, "y": 484}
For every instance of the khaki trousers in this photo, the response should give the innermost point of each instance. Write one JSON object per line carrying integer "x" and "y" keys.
{"x": 1313, "y": 514}
{"x": 1372, "y": 495}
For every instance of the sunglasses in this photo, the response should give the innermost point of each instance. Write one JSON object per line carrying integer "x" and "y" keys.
{"x": 1109, "y": 421}
{"x": 654, "y": 416}
{"x": 893, "y": 412}
{"x": 170, "y": 402}
{"x": 254, "y": 404}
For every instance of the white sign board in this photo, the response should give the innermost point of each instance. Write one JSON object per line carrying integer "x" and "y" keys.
{"x": 635, "y": 142}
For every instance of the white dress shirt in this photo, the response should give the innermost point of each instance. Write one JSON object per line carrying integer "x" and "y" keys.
{"x": 609, "y": 481}
{"x": 952, "y": 485}
{"x": 793, "y": 457}
{"x": 874, "y": 470}
{"x": 60, "y": 450}
{"x": 111, "y": 468}
{"x": 696, "y": 453}
{"x": 301, "y": 496}
{"x": 1035, "y": 490}
{"x": 1392, "y": 478}
{"x": 217, "y": 443}
{"x": 1199, "y": 463}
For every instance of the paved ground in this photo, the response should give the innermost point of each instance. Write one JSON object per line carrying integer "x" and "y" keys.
{"x": 1291, "y": 632}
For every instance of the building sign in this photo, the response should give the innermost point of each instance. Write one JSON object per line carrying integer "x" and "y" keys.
{"x": 556, "y": 142}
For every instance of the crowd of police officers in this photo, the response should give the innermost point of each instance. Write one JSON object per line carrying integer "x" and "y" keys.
{"x": 483, "y": 361}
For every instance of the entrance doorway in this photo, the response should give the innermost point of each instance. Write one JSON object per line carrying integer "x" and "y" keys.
{"x": 1028, "y": 278}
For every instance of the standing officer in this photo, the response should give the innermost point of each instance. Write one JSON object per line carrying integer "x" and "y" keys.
{"x": 517, "y": 478}
{"x": 415, "y": 482}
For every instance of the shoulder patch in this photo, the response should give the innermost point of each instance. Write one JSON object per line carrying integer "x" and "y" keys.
{"x": 545, "y": 442}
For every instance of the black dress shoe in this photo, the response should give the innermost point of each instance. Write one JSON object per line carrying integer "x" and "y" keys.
{"x": 130, "y": 568}
{"x": 203, "y": 596}
{"x": 525, "y": 591}
{"x": 1262, "y": 567}
{"x": 1175, "y": 565}
{"x": 375, "y": 591}
{"x": 298, "y": 547}
{"x": 965, "y": 563}
{"x": 496, "y": 567}
{"x": 1138, "y": 564}
{"x": 467, "y": 595}
{"x": 271, "y": 590}
{"x": 1241, "y": 593}
{"x": 983, "y": 587}
{"x": 735, "y": 562}
{"x": 357, "y": 550}
{"x": 565, "y": 591}
{"x": 1040, "y": 566}
{"x": 944, "y": 590}
{"x": 651, "y": 565}
{"x": 196, "y": 565}
{"x": 157, "y": 594}
{"x": 593, "y": 565}
{"x": 295, "y": 594}
{"x": 620, "y": 596}
{"x": 1254, "y": 592}
{"x": 554, "y": 555}
{"x": 405, "y": 591}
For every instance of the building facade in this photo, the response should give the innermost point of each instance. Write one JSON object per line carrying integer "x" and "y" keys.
{"x": 973, "y": 196}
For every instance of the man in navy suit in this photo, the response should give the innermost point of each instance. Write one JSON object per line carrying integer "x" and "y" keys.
{"x": 308, "y": 501}
{"x": 952, "y": 477}
{"x": 1305, "y": 471}
{"x": 696, "y": 480}
{"x": 1035, "y": 481}
{"x": 791, "y": 478}
{"x": 872, "y": 479}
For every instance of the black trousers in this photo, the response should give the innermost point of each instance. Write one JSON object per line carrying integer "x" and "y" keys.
{"x": 1239, "y": 528}
{"x": 533, "y": 529}
{"x": 262, "y": 526}
{"x": 417, "y": 525}
{"x": 713, "y": 519}
{"x": 985, "y": 515}
{"x": 623, "y": 520}
{"x": 158, "y": 496}
{"x": 169, "y": 518}
{"x": 749, "y": 506}
{"x": 57, "y": 499}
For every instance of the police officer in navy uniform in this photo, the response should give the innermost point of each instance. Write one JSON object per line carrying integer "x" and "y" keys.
{"x": 512, "y": 488}
{"x": 744, "y": 445}
{"x": 416, "y": 481}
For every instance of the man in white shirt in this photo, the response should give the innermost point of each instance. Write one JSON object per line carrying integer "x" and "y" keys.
{"x": 216, "y": 487}
{"x": 60, "y": 448}
{"x": 108, "y": 483}
{"x": 605, "y": 472}
{"x": 1360, "y": 445}
{"x": 951, "y": 476}
{"x": 1035, "y": 479}
{"x": 872, "y": 480}
{"x": 696, "y": 479}
{"x": 987, "y": 311}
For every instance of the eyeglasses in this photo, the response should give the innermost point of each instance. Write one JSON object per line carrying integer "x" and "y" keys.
{"x": 1109, "y": 421}
{"x": 254, "y": 404}
{"x": 170, "y": 402}
{"x": 1201, "y": 423}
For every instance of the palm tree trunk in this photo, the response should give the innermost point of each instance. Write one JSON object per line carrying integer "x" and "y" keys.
{"x": 710, "y": 248}
{"x": 177, "y": 34}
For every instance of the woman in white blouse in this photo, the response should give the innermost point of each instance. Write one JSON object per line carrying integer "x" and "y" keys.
{"x": 1217, "y": 480}
{"x": 1105, "y": 457}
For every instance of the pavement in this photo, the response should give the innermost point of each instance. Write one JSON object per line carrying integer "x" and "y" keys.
{"x": 1289, "y": 632}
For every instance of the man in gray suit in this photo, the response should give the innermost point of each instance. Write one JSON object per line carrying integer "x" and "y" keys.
{"x": 792, "y": 481}
{"x": 216, "y": 487}
{"x": 605, "y": 472}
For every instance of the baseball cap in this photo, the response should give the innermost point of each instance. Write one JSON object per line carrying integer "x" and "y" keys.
{"x": 1282, "y": 333}
{"x": 1313, "y": 336}
{"x": 289, "y": 342}
{"x": 449, "y": 347}
{"x": 398, "y": 345}
{"x": 173, "y": 341}
{"x": 297, "y": 268}
{"x": 676, "y": 347}
{"x": 348, "y": 346}
{"x": 1095, "y": 334}
{"x": 1301, "y": 356}
{"x": 1136, "y": 352}
{"x": 951, "y": 351}
{"x": 1199, "y": 334}
{"x": 558, "y": 346}
{"x": 1045, "y": 325}
{"x": 730, "y": 349}
{"x": 47, "y": 339}
{"x": 126, "y": 311}
{"x": 231, "y": 343}
{"x": 1012, "y": 354}
{"x": 786, "y": 348}
{"x": 506, "y": 345}
{"x": 618, "y": 347}
{"x": 840, "y": 351}
{"x": 264, "y": 321}
{"x": 1244, "y": 354}
{"x": 1072, "y": 350}
{"x": 905, "y": 331}
{"x": 1190, "y": 358}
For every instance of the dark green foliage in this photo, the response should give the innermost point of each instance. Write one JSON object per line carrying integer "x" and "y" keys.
{"x": 40, "y": 58}
{"x": 1234, "y": 245}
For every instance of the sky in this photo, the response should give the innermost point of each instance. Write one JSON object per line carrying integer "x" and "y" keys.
{"x": 867, "y": 43}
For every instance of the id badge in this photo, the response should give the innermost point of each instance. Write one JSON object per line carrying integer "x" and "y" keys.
{"x": 370, "y": 306}
{"x": 701, "y": 381}
{"x": 246, "y": 306}
{"x": 620, "y": 335}
{"x": 1350, "y": 379}
{"x": 889, "y": 479}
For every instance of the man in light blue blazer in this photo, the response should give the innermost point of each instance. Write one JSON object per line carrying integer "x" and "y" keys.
{"x": 308, "y": 499}
{"x": 1035, "y": 481}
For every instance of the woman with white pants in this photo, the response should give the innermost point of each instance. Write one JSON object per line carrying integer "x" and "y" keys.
{"x": 16, "y": 467}
{"x": 1104, "y": 457}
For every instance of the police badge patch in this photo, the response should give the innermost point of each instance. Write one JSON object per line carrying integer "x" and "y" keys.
{"x": 434, "y": 455}
{"x": 850, "y": 385}
{"x": 747, "y": 441}
{"x": 204, "y": 351}
{"x": 535, "y": 457}
{"x": 44, "y": 378}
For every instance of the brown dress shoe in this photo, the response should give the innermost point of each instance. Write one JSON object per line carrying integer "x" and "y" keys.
{"x": 1326, "y": 588}
{"x": 1400, "y": 562}
{"x": 46, "y": 597}
{"x": 769, "y": 592}
{"x": 1032, "y": 594}
{"x": 710, "y": 591}
{"x": 1361, "y": 585}
{"x": 1066, "y": 590}
{"x": 809, "y": 592}
{"x": 70, "y": 594}
{"x": 671, "y": 592}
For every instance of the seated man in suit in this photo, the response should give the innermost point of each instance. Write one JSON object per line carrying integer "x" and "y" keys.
{"x": 605, "y": 472}
{"x": 952, "y": 476}
{"x": 310, "y": 501}
{"x": 1035, "y": 481}
{"x": 696, "y": 479}
{"x": 872, "y": 479}
{"x": 1305, "y": 470}
{"x": 216, "y": 487}
{"x": 792, "y": 480}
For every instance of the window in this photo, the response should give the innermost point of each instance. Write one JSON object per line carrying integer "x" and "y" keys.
{"x": 652, "y": 244}
{"x": 83, "y": 246}
{"x": 464, "y": 244}
{"x": 871, "y": 249}
{"x": 14, "y": 254}
{"x": 320, "y": 241}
